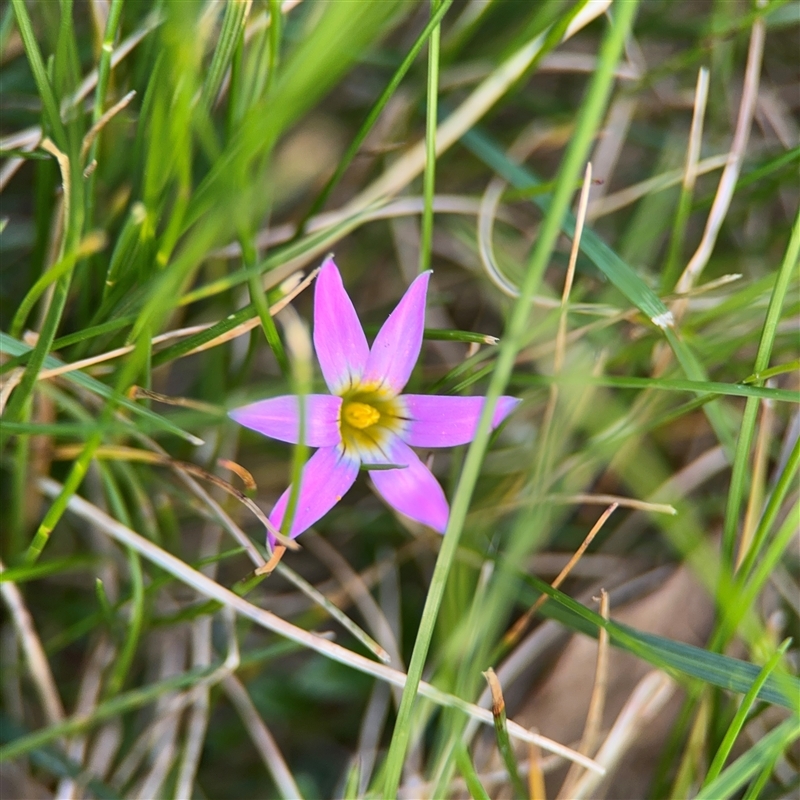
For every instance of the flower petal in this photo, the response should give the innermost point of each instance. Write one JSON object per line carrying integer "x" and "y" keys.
{"x": 412, "y": 491}
{"x": 436, "y": 421}
{"x": 396, "y": 347}
{"x": 326, "y": 478}
{"x": 339, "y": 339}
{"x": 279, "y": 418}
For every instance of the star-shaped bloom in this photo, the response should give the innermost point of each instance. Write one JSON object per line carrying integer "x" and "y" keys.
{"x": 365, "y": 420}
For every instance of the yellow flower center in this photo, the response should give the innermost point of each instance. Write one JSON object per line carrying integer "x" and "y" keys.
{"x": 367, "y": 421}
{"x": 360, "y": 415}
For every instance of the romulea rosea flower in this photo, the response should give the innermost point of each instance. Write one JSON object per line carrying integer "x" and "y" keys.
{"x": 365, "y": 420}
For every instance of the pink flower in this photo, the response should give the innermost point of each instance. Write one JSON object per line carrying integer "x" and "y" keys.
{"x": 365, "y": 420}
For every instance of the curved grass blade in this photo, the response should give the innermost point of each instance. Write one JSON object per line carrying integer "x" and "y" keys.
{"x": 621, "y": 274}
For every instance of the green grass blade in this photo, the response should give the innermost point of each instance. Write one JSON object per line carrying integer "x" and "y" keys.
{"x": 429, "y": 175}
{"x": 375, "y": 112}
{"x": 465, "y": 766}
{"x": 120, "y": 704}
{"x": 677, "y": 657}
{"x": 588, "y": 121}
{"x": 48, "y": 98}
{"x": 53, "y": 567}
{"x": 233, "y": 23}
{"x": 760, "y": 754}
{"x": 741, "y": 459}
{"x": 786, "y": 481}
{"x": 741, "y": 715}
{"x": 702, "y": 388}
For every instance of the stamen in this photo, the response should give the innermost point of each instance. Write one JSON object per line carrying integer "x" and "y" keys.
{"x": 360, "y": 415}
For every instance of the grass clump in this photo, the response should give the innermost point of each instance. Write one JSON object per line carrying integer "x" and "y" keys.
{"x": 172, "y": 175}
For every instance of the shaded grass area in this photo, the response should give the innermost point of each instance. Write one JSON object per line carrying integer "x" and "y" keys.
{"x": 172, "y": 175}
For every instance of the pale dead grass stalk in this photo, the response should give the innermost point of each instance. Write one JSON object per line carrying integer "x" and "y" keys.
{"x": 730, "y": 173}
{"x": 611, "y": 316}
{"x": 174, "y": 704}
{"x": 594, "y": 716}
{"x": 88, "y": 696}
{"x": 561, "y": 333}
{"x": 66, "y": 181}
{"x": 8, "y": 384}
{"x": 261, "y": 737}
{"x": 30, "y": 137}
{"x": 239, "y": 330}
{"x": 212, "y": 590}
{"x": 645, "y": 703}
{"x": 530, "y": 140}
{"x": 373, "y": 721}
{"x": 630, "y": 194}
{"x": 580, "y": 219}
{"x": 391, "y": 209}
{"x": 623, "y": 502}
{"x": 38, "y": 665}
{"x": 319, "y": 599}
{"x": 353, "y": 584}
{"x": 376, "y": 713}
{"x": 755, "y": 500}
{"x": 201, "y": 656}
{"x": 216, "y": 509}
{"x": 691, "y": 167}
{"x": 125, "y": 453}
{"x": 610, "y": 142}
{"x": 169, "y": 654}
{"x": 197, "y": 718}
{"x": 536, "y": 787}
{"x": 91, "y": 134}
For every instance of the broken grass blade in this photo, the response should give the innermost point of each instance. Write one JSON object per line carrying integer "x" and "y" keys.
{"x": 501, "y": 732}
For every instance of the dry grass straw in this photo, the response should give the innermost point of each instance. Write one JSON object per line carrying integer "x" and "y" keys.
{"x": 214, "y": 591}
{"x": 354, "y": 585}
{"x": 35, "y": 655}
{"x": 261, "y": 737}
{"x": 730, "y": 174}
{"x": 518, "y": 628}
{"x": 644, "y": 704}
{"x": 758, "y": 483}
{"x": 594, "y": 716}
{"x": 180, "y": 333}
{"x": 124, "y": 453}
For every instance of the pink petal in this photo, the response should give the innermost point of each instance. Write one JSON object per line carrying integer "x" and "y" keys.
{"x": 396, "y": 347}
{"x": 279, "y": 418}
{"x": 326, "y": 478}
{"x": 339, "y": 339}
{"x": 413, "y": 491}
{"x": 437, "y": 421}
